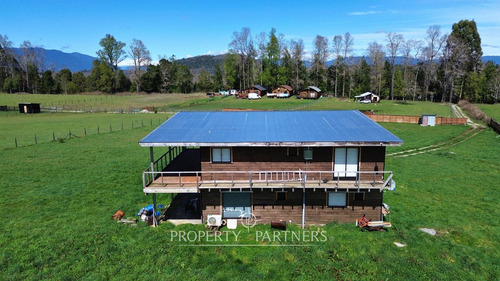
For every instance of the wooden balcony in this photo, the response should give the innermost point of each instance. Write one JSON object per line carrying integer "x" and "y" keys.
{"x": 194, "y": 181}
{"x": 178, "y": 171}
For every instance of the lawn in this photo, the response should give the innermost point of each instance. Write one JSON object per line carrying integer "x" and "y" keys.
{"x": 492, "y": 110}
{"x": 58, "y": 197}
{"x": 45, "y": 127}
{"x": 198, "y": 101}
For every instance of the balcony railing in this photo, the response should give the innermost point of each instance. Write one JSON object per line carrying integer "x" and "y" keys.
{"x": 193, "y": 181}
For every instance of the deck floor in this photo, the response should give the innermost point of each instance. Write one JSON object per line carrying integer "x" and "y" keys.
{"x": 189, "y": 184}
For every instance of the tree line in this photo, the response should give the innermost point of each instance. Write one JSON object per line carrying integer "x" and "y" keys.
{"x": 440, "y": 67}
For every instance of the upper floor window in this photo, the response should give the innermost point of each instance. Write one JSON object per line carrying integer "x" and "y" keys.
{"x": 221, "y": 155}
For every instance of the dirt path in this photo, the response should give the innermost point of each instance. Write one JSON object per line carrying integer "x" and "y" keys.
{"x": 475, "y": 129}
{"x": 448, "y": 143}
{"x": 458, "y": 112}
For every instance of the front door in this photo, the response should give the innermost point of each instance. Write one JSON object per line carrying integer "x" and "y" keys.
{"x": 346, "y": 162}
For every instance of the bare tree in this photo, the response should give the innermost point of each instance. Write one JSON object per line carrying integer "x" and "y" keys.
{"x": 297, "y": 55}
{"x": 320, "y": 56}
{"x": 430, "y": 53}
{"x": 261, "y": 52}
{"x": 394, "y": 40}
{"x": 337, "y": 50}
{"x": 141, "y": 57}
{"x": 242, "y": 44}
{"x": 348, "y": 42}
{"x": 455, "y": 58}
{"x": 377, "y": 56}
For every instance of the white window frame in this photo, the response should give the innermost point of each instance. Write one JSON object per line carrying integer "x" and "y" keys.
{"x": 217, "y": 156}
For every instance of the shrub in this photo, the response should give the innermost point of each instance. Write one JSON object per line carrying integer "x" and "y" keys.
{"x": 474, "y": 111}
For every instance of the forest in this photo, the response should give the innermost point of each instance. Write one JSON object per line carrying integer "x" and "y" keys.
{"x": 441, "y": 67}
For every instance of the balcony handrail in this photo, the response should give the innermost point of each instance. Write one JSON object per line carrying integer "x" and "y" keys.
{"x": 268, "y": 177}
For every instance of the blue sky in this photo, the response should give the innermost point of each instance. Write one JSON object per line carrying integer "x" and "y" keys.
{"x": 189, "y": 28}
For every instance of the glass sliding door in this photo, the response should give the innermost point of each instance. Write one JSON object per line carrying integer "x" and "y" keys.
{"x": 346, "y": 162}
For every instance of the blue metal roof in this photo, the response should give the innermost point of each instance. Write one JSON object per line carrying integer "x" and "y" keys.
{"x": 270, "y": 128}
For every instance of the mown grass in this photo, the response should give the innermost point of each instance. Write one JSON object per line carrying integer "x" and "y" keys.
{"x": 99, "y": 102}
{"x": 49, "y": 126}
{"x": 492, "y": 110}
{"x": 199, "y": 101}
{"x": 57, "y": 199}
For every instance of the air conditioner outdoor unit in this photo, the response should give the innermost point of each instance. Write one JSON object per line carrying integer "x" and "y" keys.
{"x": 214, "y": 220}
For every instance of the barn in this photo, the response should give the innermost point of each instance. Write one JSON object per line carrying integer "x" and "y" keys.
{"x": 322, "y": 166}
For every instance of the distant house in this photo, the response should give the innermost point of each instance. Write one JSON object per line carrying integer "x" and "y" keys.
{"x": 310, "y": 92}
{"x": 260, "y": 90}
{"x": 322, "y": 166}
{"x": 28, "y": 107}
{"x": 283, "y": 91}
{"x": 367, "y": 97}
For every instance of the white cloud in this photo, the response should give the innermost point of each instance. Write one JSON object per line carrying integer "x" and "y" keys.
{"x": 363, "y": 13}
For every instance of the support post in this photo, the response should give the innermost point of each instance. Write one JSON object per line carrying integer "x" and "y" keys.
{"x": 155, "y": 220}
{"x": 304, "y": 201}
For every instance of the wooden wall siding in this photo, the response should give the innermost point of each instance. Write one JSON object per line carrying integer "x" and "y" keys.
{"x": 266, "y": 208}
{"x": 372, "y": 159}
{"x": 210, "y": 204}
{"x": 267, "y": 159}
{"x": 276, "y": 159}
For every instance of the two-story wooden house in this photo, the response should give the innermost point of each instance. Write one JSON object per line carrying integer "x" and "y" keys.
{"x": 303, "y": 167}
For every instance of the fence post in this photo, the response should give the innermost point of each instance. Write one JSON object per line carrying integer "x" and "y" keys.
{"x": 85, "y": 131}
{"x": 15, "y": 140}
{"x": 36, "y": 141}
{"x": 69, "y": 133}
{"x": 53, "y": 136}
{"x": 98, "y": 129}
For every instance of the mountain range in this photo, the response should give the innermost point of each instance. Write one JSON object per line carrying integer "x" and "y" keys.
{"x": 57, "y": 60}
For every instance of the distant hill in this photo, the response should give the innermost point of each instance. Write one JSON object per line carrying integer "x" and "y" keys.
{"x": 59, "y": 60}
{"x": 207, "y": 62}
{"x": 495, "y": 59}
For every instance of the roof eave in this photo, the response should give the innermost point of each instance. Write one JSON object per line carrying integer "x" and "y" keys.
{"x": 272, "y": 144}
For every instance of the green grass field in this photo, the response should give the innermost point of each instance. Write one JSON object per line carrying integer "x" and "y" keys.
{"x": 492, "y": 110}
{"x": 194, "y": 102}
{"x": 58, "y": 197}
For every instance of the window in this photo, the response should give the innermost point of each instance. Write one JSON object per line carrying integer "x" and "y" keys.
{"x": 337, "y": 199}
{"x": 359, "y": 196}
{"x": 292, "y": 151}
{"x": 281, "y": 195}
{"x": 221, "y": 155}
{"x": 308, "y": 154}
{"x": 236, "y": 204}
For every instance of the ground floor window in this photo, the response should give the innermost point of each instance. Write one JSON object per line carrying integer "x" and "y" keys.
{"x": 358, "y": 196}
{"x": 236, "y": 204}
{"x": 281, "y": 195}
{"x": 337, "y": 199}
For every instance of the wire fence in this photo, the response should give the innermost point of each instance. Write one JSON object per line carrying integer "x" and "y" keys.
{"x": 62, "y": 136}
